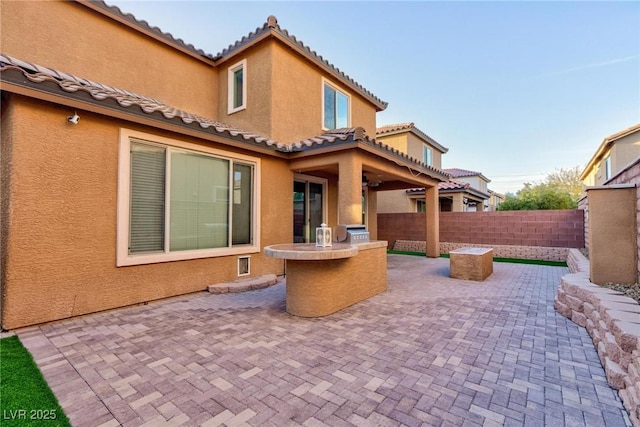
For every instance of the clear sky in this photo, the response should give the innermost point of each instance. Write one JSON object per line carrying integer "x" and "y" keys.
{"x": 514, "y": 90}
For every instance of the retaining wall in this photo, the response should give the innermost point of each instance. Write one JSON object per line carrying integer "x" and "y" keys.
{"x": 543, "y": 253}
{"x": 613, "y": 322}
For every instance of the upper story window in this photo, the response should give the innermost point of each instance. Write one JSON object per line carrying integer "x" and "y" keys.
{"x": 177, "y": 202}
{"x": 237, "y": 84}
{"x": 336, "y": 106}
{"x": 607, "y": 168}
{"x": 427, "y": 155}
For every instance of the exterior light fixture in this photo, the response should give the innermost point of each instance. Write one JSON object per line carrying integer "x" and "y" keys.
{"x": 74, "y": 119}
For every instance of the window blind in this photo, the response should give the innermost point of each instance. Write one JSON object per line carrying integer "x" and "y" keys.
{"x": 147, "y": 198}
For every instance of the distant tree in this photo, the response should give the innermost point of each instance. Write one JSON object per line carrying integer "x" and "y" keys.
{"x": 561, "y": 189}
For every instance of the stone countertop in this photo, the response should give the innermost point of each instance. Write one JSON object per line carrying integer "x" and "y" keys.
{"x": 311, "y": 252}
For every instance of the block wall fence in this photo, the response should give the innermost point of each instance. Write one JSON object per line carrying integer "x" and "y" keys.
{"x": 553, "y": 229}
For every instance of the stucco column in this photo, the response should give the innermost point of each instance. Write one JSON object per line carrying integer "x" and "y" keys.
{"x": 350, "y": 190}
{"x": 432, "y": 216}
{"x": 372, "y": 214}
{"x": 458, "y": 203}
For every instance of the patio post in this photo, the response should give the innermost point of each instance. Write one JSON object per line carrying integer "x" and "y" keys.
{"x": 350, "y": 190}
{"x": 432, "y": 217}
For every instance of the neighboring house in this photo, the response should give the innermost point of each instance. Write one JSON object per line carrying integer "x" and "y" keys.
{"x": 461, "y": 198}
{"x": 407, "y": 138}
{"x": 614, "y": 154}
{"x": 136, "y": 167}
{"x": 495, "y": 200}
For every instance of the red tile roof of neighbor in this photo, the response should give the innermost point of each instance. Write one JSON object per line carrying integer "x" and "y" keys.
{"x": 28, "y": 75}
{"x": 270, "y": 28}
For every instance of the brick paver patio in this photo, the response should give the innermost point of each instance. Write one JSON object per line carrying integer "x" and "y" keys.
{"x": 430, "y": 351}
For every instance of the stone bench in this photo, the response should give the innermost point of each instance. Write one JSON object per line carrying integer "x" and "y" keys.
{"x": 471, "y": 263}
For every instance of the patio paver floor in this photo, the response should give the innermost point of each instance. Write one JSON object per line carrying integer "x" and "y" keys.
{"x": 432, "y": 350}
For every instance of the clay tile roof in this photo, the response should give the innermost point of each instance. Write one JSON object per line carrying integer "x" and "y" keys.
{"x": 271, "y": 27}
{"x": 409, "y": 127}
{"x": 459, "y": 173}
{"x": 453, "y": 185}
{"x": 99, "y": 92}
{"x": 358, "y": 135}
{"x": 394, "y": 128}
{"x": 25, "y": 74}
{"x": 145, "y": 26}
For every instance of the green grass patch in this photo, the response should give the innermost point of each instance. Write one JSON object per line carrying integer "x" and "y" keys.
{"x": 511, "y": 260}
{"x": 25, "y": 396}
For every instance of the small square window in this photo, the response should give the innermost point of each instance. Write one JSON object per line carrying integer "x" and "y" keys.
{"x": 237, "y": 84}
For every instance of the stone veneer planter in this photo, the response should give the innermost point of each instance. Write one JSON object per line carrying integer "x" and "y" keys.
{"x": 613, "y": 321}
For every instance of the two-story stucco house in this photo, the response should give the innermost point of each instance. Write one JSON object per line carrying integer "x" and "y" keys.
{"x": 614, "y": 154}
{"x": 469, "y": 192}
{"x": 137, "y": 167}
{"x": 408, "y": 138}
{"x": 465, "y": 191}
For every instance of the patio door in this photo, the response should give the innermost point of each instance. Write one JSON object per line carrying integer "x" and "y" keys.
{"x": 309, "y": 204}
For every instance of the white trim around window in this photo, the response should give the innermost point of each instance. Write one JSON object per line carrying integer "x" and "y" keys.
{"x": 237, "y": 87}
{"x": 427, "y": 155}
{"x": 341, "y": 101}
{"x": 235, "y": 166}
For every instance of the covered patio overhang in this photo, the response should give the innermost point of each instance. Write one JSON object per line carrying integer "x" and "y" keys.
{"x": 361, "y": 167}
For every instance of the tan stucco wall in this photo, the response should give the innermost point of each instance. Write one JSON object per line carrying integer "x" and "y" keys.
{"x": 612, "y": 235}
{"x": 60, "y": 257}
{"x": 475, "y": 182}
{"x": 74, "y": 39}
{"x": 412, "y": 145}
{"x": 394, "y": 201}
{"x": 257, "y": 117}
{"x": 397, "y": 141}
{"x": 297, "y": 100}
{"x": 415, "y": 146}
{"x": 623, "y": 152}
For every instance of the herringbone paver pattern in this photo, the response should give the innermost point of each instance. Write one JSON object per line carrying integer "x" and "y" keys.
{"x": 430, "y": 351}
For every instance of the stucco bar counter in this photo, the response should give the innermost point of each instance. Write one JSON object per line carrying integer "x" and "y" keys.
{"x": 324, "y": 280}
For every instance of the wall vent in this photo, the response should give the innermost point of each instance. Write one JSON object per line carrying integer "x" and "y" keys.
{"x": 244, "y": 265}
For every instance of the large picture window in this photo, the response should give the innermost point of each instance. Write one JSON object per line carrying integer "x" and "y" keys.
{"x": 336, "y": 108}
{"x": 183, "y": 204}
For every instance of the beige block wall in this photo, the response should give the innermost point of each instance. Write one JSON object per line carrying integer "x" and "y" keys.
{"x": 72, "y": 38}
{"x": 612, "y": 235}
{"x": 59, "y": 228}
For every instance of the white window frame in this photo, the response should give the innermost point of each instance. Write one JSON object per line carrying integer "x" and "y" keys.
{"x": 123, "y": 257}
{"x": 231, "y": 85}
{"x": 426, "y": 149}
{"x": 326, "y": 82}
{"x": 607, "y": 167}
